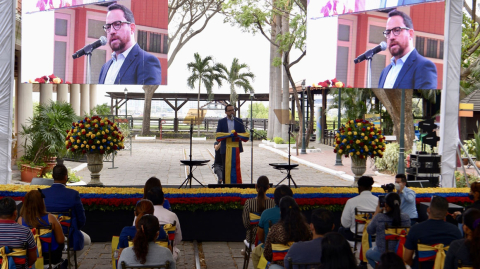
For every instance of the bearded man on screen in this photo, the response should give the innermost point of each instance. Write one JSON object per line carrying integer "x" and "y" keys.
{"x": 408, "y": 69}
{"x": 129, "y": 64}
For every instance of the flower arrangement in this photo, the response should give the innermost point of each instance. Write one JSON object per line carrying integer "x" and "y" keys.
{"x": 334, "y": 83}
{"x": 359, "y": 138}
{"x": 208, "y": 199}
{"x": 52, "y": 79}
{"x": 93, "y": 135}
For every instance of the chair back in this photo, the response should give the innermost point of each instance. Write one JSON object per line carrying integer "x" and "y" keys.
{"x": 303, "y": 265}
{"x": 160, "y": 266}
{"x": 65, "y": 219}
{"x": 43, "y": 234}
{"x": 435, "y": 252}
{"x": 13, "y": 255}
{"x": 42, "y": 181}
{"x": 279, "y": 251}
{"x": 363, "y": 218}
{"x": 254, "y": 218}
{"x": 168, "y": 243}
{"x": 398, "y": 234}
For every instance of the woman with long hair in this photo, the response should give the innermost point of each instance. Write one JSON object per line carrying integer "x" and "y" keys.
{"x": 142, "y": 208}
{"x": 336, "y": 252}
{"x": 144, "y": 250}
{"x": 152, "y": 183}
{"x": 466, "y": 251}
{"x": 256, "y": 205}
{"x": 34, "y": 215}
{"x": 292, "y": 227}
{"x": 393, "y": 216}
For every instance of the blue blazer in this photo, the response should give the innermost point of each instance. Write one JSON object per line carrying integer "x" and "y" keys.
{"x": 223, "y": 127}
{"x": 139, "y": 68}
{"x": 58, "y": 198}
{"x": 417, "y": 73}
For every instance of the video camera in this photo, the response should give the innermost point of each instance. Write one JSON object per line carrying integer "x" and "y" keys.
{"x": 388, "y": 188}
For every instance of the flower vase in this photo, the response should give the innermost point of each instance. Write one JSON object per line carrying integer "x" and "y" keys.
{"x": 359, "y": 166}
{"x": 95, "y": 165}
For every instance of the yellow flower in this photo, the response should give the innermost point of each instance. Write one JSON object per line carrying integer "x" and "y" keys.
{"x": 351, "y": 153}
{"x": 82, "y": 146}
{"x": 109, "y": 138}
{"x": 87, "y": 146}
{"x": 354, "y": 133}
{"x": 114, "y": 140}
{"x": 374, "y": 152}
{"x": 93, "y": 146}
{"x": 337, "y": 134}
{"x": 66, "y": 143}
{"x": 376, "y": 140}
{"x": 366, "y": 138}
{"x": 344, "y": 140}
{"x": 84, "y": 142}
{"x": 115, "y": 132}
{"x": 111, "y": 144}
{"x": 75, "y": 147}
{"x": 87, "y": 126}
{"x": 93, "y": 136}
{"x": 75, "y": 130}
{"x": 101, "y": 147}
{"x": 358, "y": 152}
{"x": 358, "y": 141}
{"x": 101, "y": 121}
{"x": 340, "y": 151}
{"x": 98, "y": 133}
{"x": 108, "y": 148}
{"x": 78, "y": 141}
{"x": 104, "y": 140}
{"x": 363, "y": 134}
{"x": 106, "y": 131}
{"x": 103, "y": 132}
{"x": 349, "y": 133}
{"x": 373, "y": 143}
{"x": 359, "y": 124}
{"x": 348, "y": 146}
{"x": 72, "y": 139}
{"x": 83, "y": 130}
{"x": 96, "y": 125}
{"x": 368, "y": 128}
{"x": 106, "y": 119}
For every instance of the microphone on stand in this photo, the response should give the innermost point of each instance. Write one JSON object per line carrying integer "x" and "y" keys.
{"x": 369, "y": 53}
{"x": 90, "y": 47}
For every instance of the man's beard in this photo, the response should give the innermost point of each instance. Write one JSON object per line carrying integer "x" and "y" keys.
{"x": 120, "y": 46}
{"x": 399, "y": 51}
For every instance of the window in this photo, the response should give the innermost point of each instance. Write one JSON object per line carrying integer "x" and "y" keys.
{"x": 95, "y": 28}
{"x": 429, "y": 47}
{"x": 61, "y": 27}
{"x": 343, "y": 32}
{"x": 375, "y": 34}
{"x": 420, "y": 45}
{"x": 60, "y": 61}
{"x": 342, "y": 63}
{"x": 153, "y": 42}
{"x": 378, "y": 63}
{"x": 98, "y": 59}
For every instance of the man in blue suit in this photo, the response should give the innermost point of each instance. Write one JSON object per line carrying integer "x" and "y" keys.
{"x": 60, "y": 199}
{"x": 226, "y": 125}
{"x": 408, "y": 69}
{"x": 129, "y": 64}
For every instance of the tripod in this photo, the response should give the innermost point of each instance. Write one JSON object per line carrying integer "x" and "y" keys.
{"x": 286, "y": 166}
{"x": 191, "y": 163}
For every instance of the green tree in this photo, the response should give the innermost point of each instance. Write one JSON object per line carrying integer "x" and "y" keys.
{"x": 355, "y": 102}
{"x": 470, "y": 69}
{"x": 204, "y": 71}
{"x": 236, "y": 78}
{"x": 259, "y": 111}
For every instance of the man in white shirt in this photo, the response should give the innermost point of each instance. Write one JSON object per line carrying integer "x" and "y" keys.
{"x": 365, "y": 201}
{"x": 165, "y": 216}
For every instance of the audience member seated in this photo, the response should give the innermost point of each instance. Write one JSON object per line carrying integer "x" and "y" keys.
{"x": 311, "y": 251}
{"x": 58, "y": 198}
{"x": 152, "y": 183}
{"x": 466, "y": 251}
{"x": 432, "y": 231}
{"x": 13, "y": 235}
{"x": 165, "y": 216}
{"x": 291, "y": 228}
{"x": 390, "y": 260}
{"x": 365, "y": 201}
{"x": 268, "y": 216}
{"x": 256, "y": 205}
{"x": 408, "y": 198}
{"x": 143, "y": 207}
{"x": 144, "y": 250}
{"x": 393, "y": 217}
{"x": 34, "y": 215}
{"x": 336, "y": 252}
{"x": 474, "y": 195}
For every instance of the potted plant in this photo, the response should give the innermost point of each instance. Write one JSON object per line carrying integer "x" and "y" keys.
{"x": 94, "y": 137}
{"x": 359, "y": 139}
{"x": 45, "y": 134}
{"x": 469, "y": 146}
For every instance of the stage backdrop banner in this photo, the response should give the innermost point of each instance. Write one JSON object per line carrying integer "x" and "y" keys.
{"x": 451, "y": 82}
{"x": 7, "y": 54}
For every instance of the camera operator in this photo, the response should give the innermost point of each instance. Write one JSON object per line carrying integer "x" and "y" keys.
{"x": 407, "y": 196}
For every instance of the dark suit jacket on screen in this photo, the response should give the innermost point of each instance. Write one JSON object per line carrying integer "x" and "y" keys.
{"x": 58, "y": 198}
{"x": 139, "y": 68}
{"x": 417, "y": 73}
{"x": 223, "y": 127}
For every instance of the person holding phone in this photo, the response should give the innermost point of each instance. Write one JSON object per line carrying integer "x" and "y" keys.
{"x": 408, "y": 197}
{"x": 388, "y": 212}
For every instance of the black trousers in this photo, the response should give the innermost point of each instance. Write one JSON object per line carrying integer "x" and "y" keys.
{"x": 223, "y": 168}
{"x": 56, "y": 255}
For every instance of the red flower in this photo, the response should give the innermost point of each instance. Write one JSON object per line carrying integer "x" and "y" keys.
{"x": 334, "y": 151}
{"x": 351, "y": 141}
{"x": 379, "y": 131}
{"x": 349, "y": 128}
{"x": 334, "y": 80}
{"x": 115, "y": 147}
{"x": 361, "y": 144}
{"x": 68, "y": 82}
{"x": 72, "y": 149}
{"x": 363, "y": 129}
{"x": 83, "y": 132}
{"x": 346, "y": 155}
{"x": 45, "y": 78}
{"x": 105, "y": 136}
{"x": 70, "y": 143}
{"x": 84, "y": 151}
{"x": 102, "y": 151}
{"x": 102, "y": 124}
{"x": 52, "y": 76}
{"x": 81, "y": 125}
{"x": 370, "y": 136}
{"x": 90, "y": 141}
{"x": 338, "y": 142}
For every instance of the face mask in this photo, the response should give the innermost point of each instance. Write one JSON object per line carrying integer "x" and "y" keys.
{"x": 397, "y": 186}
{"x": 471, "y": 197}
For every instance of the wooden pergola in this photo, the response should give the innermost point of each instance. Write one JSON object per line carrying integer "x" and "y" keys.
{"x": 177, "y": 100}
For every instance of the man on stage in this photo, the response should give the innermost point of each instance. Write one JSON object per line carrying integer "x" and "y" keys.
{"x": 232, "y": 131}
{"x": 408, "y": 69}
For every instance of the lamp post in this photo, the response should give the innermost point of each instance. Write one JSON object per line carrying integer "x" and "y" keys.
{"x": 252, "y": 95}
{"x": 338, "y": 160}
{"x": 126, "y": 94}
{"x": 401, "y": 157}
{"x": 304, "y": 134}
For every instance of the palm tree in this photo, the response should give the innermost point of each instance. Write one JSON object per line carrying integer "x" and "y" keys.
{"x": 206, "y": 72}
{"x": 237, "y": 79}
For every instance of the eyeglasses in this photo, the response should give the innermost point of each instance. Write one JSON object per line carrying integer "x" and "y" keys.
{"x": 396, "y": 31}
{"x": 233, "y": 110}
{"x": 116, "y": 25}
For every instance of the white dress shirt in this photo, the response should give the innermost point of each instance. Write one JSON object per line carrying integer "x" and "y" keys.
{"x": 365, "y": 201}
{"x": 116, "y": 65}
{"x": 394, "y": 71}
{"x": 231, "y": 124}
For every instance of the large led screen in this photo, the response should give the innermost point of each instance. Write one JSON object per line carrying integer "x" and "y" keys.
{"x": 126, "y": 41}
{"x": 42, "y": 5}
{"x": 412, "y": 39}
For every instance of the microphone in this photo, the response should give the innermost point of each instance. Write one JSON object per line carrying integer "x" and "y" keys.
{"x": 369, "y": 53}
{"x": 90, "y": 47}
